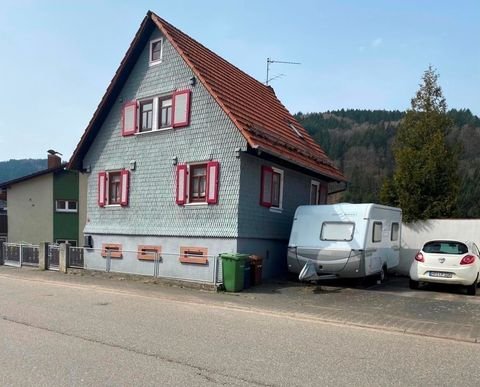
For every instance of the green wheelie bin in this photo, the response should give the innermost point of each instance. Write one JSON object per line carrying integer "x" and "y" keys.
{"x": 233, "y": 266}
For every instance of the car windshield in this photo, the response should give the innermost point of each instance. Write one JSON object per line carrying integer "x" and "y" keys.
{"x": 445, "y": 247}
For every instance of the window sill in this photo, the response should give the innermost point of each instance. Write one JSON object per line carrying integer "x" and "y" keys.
{"x": 153, "y": 131}
{"x": 113, "y": 206}
{"x": 276, "y": 210}
{"x": 194, "y": 260}
{"x": 150, "y": 64}
{"x": 67, "y": 211}
{"x": 196, "y": 204}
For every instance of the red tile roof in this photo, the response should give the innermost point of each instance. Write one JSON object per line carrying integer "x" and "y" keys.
{"x": 253, "y": 107}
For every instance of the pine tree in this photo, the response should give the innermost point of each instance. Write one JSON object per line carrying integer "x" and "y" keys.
{"x": 425, "y": 181}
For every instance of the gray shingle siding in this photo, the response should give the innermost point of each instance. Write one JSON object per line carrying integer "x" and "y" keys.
{"x": 152, "y": 209}
{"x": 255, "y": 221}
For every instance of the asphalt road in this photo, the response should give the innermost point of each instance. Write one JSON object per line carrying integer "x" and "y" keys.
{"x": 57, "y": 334}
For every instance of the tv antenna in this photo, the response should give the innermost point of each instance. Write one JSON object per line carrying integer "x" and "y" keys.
{"x": 270, "y": 61}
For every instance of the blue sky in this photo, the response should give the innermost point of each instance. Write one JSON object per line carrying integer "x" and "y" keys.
{"x": 58, "y": 57}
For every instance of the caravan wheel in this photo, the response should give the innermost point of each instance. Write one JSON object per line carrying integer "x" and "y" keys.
{"x": 383, "y": 275}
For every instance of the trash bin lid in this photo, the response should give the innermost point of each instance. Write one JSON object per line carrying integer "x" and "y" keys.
{"x": 256, "y": 258}
{"x": 234, "y": 256}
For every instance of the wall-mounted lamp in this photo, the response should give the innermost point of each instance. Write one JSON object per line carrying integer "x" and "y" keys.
{"x": 237, "y": 152}
{"x": 88, "y": 169}
{"x": 210, "y": 156}
{"x": 120, "y": 99}
{"x": 133, "y": 165}
{"x": 174, "y": 160}
{"x": 192, "y": 81}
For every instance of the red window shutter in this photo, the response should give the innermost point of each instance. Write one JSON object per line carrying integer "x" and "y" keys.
{"x": 266, "y": 187}
{"x": 102, "y": 192}
{"x": 129, "y": 118}
{"x": 124, "y": 187}
{"x": 181, "y": 108}
{"x": 213, "y": 168}
{"x": 323, "y": 194}
{"x": 181, "y": 193}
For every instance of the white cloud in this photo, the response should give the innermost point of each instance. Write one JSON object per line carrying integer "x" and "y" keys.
{"x": 376, "y": 42}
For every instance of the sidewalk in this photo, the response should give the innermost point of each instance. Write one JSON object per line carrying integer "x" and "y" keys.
{"x": 390, "y": 307}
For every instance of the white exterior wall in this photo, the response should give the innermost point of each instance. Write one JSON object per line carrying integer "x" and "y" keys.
{"x": 416, "y": 234}
{"x": 170, "y": 266}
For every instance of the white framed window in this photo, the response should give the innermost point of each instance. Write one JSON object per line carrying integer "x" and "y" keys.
{"x": 113, "y": 188}
{"x": 314, "y": 192}
{"x": 71, "y": 242}
{"x": 155, "y": 114}
{"x": 271, "y": 188}
{"x": 66, "y": 205}
{"x": 277, "y": 189}
{"x": 156, "y": 51}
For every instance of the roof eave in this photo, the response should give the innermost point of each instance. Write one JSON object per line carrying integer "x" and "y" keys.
{"x": 110, "y": 95}
{"x": 340, "y": 178}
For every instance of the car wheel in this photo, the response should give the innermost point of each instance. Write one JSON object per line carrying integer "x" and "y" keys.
{"x": 472, "y": 289}
{"x": 414, "y": 284}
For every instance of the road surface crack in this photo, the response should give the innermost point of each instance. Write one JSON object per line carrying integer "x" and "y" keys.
{"x": 201, "y": 371}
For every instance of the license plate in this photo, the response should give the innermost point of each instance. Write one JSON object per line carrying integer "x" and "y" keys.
{"x": 440, "y": 274}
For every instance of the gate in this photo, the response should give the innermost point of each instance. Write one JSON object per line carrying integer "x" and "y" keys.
{"x": 12, "y": 254}
{"x": 30, "y": 255}
{"x": 75, "y": 257}
{"x": 53, "y": 256}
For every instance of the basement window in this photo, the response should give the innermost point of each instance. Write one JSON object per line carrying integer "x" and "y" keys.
{"x": 148, "y": 253}
{"x": 194, "y": 255}
{"x": 114, "y": 249}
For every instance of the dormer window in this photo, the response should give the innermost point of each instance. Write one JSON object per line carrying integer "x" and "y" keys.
{"x": 156, "y": 48}
{"x": 295, "y": 130}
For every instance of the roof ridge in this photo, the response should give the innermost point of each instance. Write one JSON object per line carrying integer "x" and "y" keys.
{"x": 163, "y": 21}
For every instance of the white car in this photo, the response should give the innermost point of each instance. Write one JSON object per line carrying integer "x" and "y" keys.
{"x": 447, "y": 262}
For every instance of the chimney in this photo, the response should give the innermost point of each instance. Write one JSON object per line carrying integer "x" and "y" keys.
{"x": 54, "y": 161}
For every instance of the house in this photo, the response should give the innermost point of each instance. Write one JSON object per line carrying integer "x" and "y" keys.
{"x": 46, "y": 206}
{"x": 3, "y": 215}
{"x": 191, "y": 157}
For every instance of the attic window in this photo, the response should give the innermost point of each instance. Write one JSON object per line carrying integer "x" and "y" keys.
{"x": 295, "y": 130}
{"x": 156, "y": 49}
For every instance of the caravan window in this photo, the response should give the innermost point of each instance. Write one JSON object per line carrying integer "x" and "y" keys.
{"x": 377, "y": 232}
{"x": 394, "y": 233}
{"x": 337, "y": 231}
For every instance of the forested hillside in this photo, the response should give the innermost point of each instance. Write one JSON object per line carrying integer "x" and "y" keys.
{"x": 360, "y": 143}
{"x": 13, "y": 169}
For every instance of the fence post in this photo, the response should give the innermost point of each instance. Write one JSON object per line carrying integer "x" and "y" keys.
{"x": 63, "y": 258}
{"x": 108, "y": 261}
{"x": 42, "y": 255}
{"x": 1, "y": 251}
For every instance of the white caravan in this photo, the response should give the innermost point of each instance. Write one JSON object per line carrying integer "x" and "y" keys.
{"x": 344, "y": 240}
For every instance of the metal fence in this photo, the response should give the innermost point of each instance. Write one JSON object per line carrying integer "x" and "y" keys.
{"x": 75, "y": 257}
{"x": 201, "y": 269}
{"x": 18, "y": 254}
{"x": 53, "y": 256}
{"x": 206, "y": 269}
{"x": 30, "y": 254}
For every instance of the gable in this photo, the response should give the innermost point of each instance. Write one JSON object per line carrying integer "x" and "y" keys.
{"x": 253, "y": 107}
